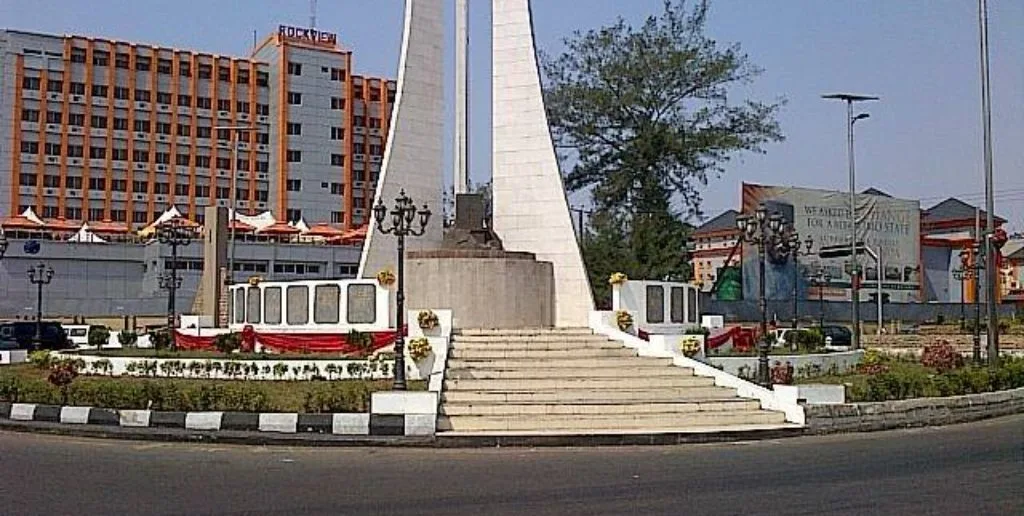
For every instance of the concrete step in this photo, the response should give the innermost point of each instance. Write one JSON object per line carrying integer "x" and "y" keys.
{"x": 526, "y": 384}
{"x": 599, "y": 408}
{"x": 522, "y": 331}
{"x": 590, "y": 423}
{"x": 540, "y": 354}
{"x": 565, "y": 373}
{"x": 559, "y": 363}
{"x": 541, "y": 345}
{"x": 530, "y": 339}
{"x": 557, "y": 395}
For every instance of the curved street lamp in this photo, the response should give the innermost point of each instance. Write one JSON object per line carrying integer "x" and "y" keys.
{"x": 403, "y": 214}
{"x": 40, "y": 275}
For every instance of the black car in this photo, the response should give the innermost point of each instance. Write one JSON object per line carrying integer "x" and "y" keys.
{"x": 841, "y": 335}
{"x": 22, "y": 334}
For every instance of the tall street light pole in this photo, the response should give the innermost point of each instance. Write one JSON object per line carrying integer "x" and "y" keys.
{"x": 233, "y": 195}
{"x": 402, "y": 216}
{"x": 850, "y": 99}
{"x": 40, "y": 275}
{"x": 172, "y": 234}
{"x": 3, "y": 244}
{"x": 992, "y": 273}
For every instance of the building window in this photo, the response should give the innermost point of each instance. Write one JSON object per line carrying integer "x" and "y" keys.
{"x": 27, "y": 179}
{"x": 140, "y": 155}
{"x": 119, "y": 154}
{"x": 293, "y": 215}
{"x": 294, "y": 98}
{"x": 359, "y": 121}
{"x": 119, "y": 185}
{"x": 294, "y": 185}
{"x": 98, "y": 122}
{"x": 50, "y": 212}
{"x": 163, "y": 128}
{"x": 163, "y": 66}
{"x": 203, "y": 161}
{"x": 142, "y": 126}
{"x": 375, "y": 123}
{"x": 163, "y": 98}
{"x": 54, "y": 117}
{"x": 30, "y": 147}
{"x": 242, "y": 107}
{"x": 242, "y": 77}
{"x": 185, "y": 68}
{"x": 263, "y": 138}
{"x": 223, "y": 192}
{"x": 120, "y": 124}
{"x": 294, "y": 156}
{"x": 142, "y": 63}
{"x": 121, "y": 60}
{"x": 223, "y": 163}
{"x": 96, "y": 213}
{"x": 52, "y": 149}
{"x": 30, "y": 83}
{"x": 337, "y": 133}
{"x": 118, "y": 215}
{"x": 73, "y": 213}
{"x": 161, "y": 188}
{"x": 54, "y": 86}
{"x": 204, "y": 102}
{"x": 262, "y": 166}
{"x": 205, "y": 71}
{"x": 120, "y": 93}
{"x": 337, "y": 189}
{"x": 338, "y": 160}
{"x": 181, "y": 189}
{"x": 97, "y": 183}
{"x": 294, "y": 68}
{"x": 337, "y": 74}
{"x": 51, "y": 181}
{"x": 77, "y": 88}
{"x": 99, "y": 90}
{"x": 100, "y": 58}
{"x": 163, "y": 158}
{"x": 376, "y": 150}
{"x": 202, "y": 191}
{"x": 182, "y": 160}
{"x": 77, "y": 55}
{"x": 140, "y": 217}
{"x": 184, "y": 100}
{"x": 337, "y": 103}
{"x": 142, "y": 95}
{"x": 75, "y": 151}
{"x": 29, "y": 115}
{"x": 73, "y": 182}
{"x": 223, "y": 105}
{"x": 337, "y": 217}
{"x": 97, "y": 152}
{"x": 223, "y": 134}
{"x": 263, "y": 109}
{"x": 294, "y": 129}
{"x": 203, "y": 132}
{"x": 262, "y": 79}
{"x": 223, "y": 73}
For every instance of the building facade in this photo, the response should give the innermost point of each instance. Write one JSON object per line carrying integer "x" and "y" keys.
{"x": 110, "y": 131}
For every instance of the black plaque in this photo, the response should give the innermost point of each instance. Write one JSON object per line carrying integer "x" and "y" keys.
{"x": 676, "y": 304}
{"x": 655, "y": 304}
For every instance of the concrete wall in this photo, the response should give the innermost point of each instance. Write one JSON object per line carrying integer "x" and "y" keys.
{"x": 531, "y": 212}
{"x": 413, "y": 156}
{"x": 484, "y": 292}
{"x": 867, "y": 417}
{"x": 843, "y": 361}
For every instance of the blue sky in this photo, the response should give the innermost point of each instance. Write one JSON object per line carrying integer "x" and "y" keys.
{"x": 921, "y": 56}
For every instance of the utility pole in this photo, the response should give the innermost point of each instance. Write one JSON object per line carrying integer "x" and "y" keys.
{"x": 991, "y": 262}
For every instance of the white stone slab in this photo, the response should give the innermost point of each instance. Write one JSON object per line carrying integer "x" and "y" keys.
{"x": 203, "y": 420}
{"x": 74, "y": 415}
{"x": 22, "y": 411}
{"x": 13, "y": 356}
{"x": 398, "y": 402}
{"x": 281, "y": 423}
{"x": 134, "y": 418}
{"x": 420, "y": 424}
{"x": 351, "y": 424}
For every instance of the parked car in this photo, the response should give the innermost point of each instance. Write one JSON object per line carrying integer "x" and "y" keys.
{"x": 79, "y": 334}
{"x": 841, "y": 337}
{"x": 21, "y": 335}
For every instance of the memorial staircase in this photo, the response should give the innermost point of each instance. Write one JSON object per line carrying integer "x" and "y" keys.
{"x": 571, "y": 381}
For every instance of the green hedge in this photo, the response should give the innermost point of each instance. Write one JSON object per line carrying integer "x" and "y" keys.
{"x": 30, "y": 386}
{"x": 900, "y": 381}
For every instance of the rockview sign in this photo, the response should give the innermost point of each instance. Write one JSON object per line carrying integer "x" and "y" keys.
{"x": 317, "y": 37}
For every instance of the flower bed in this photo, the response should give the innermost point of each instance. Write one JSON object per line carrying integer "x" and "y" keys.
{"x": 884, "y": 378}
{"x": 29, "y": 384}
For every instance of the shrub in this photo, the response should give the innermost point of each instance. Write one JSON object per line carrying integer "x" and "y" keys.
{"x": 161, "y": 340}
{"x": 40, "y": 359}
{"x": 228, "y": 342}
{"x": 128, "y": 339}
{"x": 941, "y": 356}
{"x": 782, "y": 373}
{"x": 361, "y": 342}
{"x": 337, "y": 397}
{"x": 61, "y": 375}
{"x": 99, "y": 336}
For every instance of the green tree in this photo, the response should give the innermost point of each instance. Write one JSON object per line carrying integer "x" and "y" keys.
{"x": 643, "y": 117}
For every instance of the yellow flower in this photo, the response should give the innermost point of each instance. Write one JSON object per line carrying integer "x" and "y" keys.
{"x": 419, "y": 348}
{"x": 623, "y": 319}
{"x": 427, "y": 320}
{"x": 386, "y": 277}
{"x": 689, "y": 346}
{"x": 617, "y": 279}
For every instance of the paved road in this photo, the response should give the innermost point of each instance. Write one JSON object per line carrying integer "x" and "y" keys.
{"x": 973, "y": 469}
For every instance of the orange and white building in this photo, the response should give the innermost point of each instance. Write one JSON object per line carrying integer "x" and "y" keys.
{"x": 115, "y": 132}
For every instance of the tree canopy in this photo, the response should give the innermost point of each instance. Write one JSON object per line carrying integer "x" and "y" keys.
{"x": 643, "y": 117}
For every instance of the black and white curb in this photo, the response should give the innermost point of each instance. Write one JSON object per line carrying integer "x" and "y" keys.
{"x": 360, "y": 424}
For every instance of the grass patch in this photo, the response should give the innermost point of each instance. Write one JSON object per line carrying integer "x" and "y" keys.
{"x": 211, "y": 355}
{"x": 27, "y": 384}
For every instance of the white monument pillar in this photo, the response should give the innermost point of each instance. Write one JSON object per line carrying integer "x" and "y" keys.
{"x": 413, "y": 158}
{"x": 461, "y": 179}
{"x": 531, "y": 211}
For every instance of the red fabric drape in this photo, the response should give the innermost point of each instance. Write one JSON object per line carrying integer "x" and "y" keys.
{"x": 293, "y": 342}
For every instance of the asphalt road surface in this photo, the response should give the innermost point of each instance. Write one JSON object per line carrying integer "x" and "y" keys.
{"x": 975, "y": 469}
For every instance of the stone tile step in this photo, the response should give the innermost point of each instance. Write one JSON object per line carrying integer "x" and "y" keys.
{"x": 589, "y": 423}
{"x": 568, "y": 363}
{"x": 523, "y": 331}
{"x": 609, "y": 409}
{"x": 655, "y": 382}
{"x": 563, "y": 372}
{"x": 541, "y": 346}
{"x": 531, "y": 339}
{"x": 588, "y": 395}
{"x": 541, "y": 354}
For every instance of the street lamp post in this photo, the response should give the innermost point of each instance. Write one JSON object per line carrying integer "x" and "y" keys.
{"x": 821, "y": 280}
{"x": 39, "y": 275}
{"x": 3, "y": 244}
{"x": 233, "y": 195}
{"x": 792, "y": 245}
{"x": 962, "y": 273}
{"x": 765, "y": 231}
{"x": 972, "y": 270}
{"x": 850, "y": 99}
{"x": 402, "y": 216}
{"x": 174, "y": 235}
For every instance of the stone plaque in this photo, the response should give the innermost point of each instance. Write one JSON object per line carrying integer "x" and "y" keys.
{"x": 361, "y": 303}
{"x": 655, "y": 304}
{"x": 676, "y": 304}
{"x": 272, "y": 305}
{"x": 325, "y": 304}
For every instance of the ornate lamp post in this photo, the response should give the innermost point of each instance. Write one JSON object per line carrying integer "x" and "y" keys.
{"x": 790, "y": 244}
{"x": 3, "y": 245}
{"x": 40, "y": 275}
{"x": 765, "y": 232}
{"x": 402, "y": 216}
{"x": 961, "y": 274}
{"x": 174, "y": 235}
{"x": 973, "y": 270}
{"x": 821, "y": 280}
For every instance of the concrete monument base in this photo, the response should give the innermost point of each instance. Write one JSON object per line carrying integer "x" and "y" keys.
{"x": 484, "y": 288}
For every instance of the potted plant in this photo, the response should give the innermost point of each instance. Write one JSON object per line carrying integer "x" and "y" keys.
{"x": 419, "y": 348}
{"x": 427, "y": 320}
{"x": 386, "y": 278}
{"x": 617, "y": 278}
{"x": 623, "y": 320}
{"x": 690, "y": 346}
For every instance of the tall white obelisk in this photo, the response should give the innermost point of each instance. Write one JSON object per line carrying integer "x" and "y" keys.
{"x": 461, "y": 179}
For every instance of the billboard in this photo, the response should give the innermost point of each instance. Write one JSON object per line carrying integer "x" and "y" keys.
{"x": 887, "y": 226}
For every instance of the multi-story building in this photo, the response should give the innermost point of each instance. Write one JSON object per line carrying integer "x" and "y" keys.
{"x": 101, "y": 130}
{"x": 715, "y": 247}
